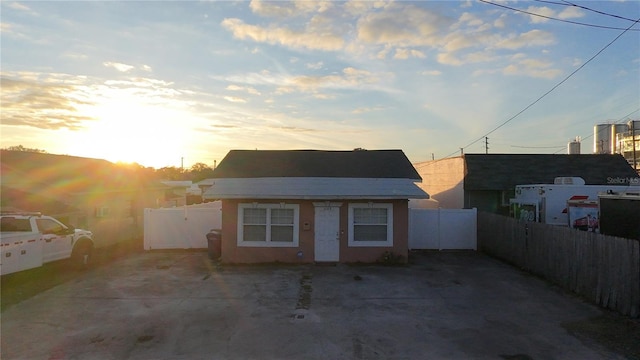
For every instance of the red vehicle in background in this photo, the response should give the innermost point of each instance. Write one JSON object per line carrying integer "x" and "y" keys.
{"x": 586, "y": 223}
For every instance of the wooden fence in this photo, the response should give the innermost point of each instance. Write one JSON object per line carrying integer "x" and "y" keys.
{"x": 603, "y": 269}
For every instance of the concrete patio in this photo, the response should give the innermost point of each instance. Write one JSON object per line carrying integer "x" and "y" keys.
{"x": 181, "y": 305}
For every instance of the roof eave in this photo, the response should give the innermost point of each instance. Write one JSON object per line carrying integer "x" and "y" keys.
{"x": 315, "y": 197}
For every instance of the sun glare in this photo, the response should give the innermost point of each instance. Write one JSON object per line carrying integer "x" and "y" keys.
{"x": 129, "y": 132}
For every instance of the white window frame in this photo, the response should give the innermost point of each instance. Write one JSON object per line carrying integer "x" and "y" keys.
{"x": 388, "y": 243}
{"x": 268, "y": 242}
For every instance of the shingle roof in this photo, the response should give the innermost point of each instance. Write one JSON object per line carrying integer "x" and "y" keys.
{"x": 504, "y": 171}
{"x": 316, "y": 163}
{"x": 316, "y": 188}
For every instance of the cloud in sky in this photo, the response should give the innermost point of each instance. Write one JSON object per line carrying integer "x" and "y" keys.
{"x": 565, "y": 14}
{"x": 118, "y": 66}
{"x": 297, "y": 39}
{"x": 528, "y": 39}
{"x": 302, "y": 74}
{"x": 53, "y": 106}
{"x": 289, "y": 9}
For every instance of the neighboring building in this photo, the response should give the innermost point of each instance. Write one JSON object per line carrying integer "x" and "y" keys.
{"x": 306, "y": 205}
{"x": 204, "y": 185}
{"x": 181, "y": 193}
{"x": 487, "y": 181}
{"x": 88, "y": 193}
{"x": 619, "y": 138}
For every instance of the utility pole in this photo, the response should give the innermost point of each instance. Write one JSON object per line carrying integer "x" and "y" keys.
{"x": 486, "y": 144}
{"x": 633, "y": 139}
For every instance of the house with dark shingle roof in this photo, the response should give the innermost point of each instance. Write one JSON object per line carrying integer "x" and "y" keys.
{"x": 314, "y": 206}
{"x": 487, "y": 181}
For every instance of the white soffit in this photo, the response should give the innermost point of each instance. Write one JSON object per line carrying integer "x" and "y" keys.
{"x": 325, "y": 188}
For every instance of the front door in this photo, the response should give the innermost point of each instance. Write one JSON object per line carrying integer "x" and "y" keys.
{"x": 327, "y": 231}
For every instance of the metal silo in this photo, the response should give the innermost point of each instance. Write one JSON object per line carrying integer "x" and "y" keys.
{"x": 615, "y": 130}
{"x": 601, "y": 139}
{"x": 574, "y": 146}
{"x": 635, "y": 125}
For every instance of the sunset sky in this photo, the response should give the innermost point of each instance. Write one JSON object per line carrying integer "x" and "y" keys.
{"x": 156, "y": 81}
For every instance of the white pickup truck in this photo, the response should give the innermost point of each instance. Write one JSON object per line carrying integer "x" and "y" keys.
{"x": 28, "y": 240}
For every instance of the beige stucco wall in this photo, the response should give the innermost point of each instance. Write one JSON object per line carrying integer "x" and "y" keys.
{"x": 443, "y": 180}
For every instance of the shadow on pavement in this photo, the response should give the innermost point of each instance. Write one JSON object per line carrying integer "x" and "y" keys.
{"x": 25, "y": 284}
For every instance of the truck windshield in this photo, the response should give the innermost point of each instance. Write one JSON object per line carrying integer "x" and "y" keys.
{"x": 14, "y": 224}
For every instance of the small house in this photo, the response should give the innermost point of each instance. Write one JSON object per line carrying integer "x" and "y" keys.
{"x": 299, "y": 206}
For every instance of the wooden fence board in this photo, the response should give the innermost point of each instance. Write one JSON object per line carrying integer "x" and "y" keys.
{"x": 603, "y": 269}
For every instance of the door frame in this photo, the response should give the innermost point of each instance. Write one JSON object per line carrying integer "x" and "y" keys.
{"x": 326, "y": 204}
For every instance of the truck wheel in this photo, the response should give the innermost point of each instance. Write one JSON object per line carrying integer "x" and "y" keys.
{"x": 81, "y": 255}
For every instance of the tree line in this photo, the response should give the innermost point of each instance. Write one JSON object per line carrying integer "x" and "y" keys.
{"x": 197, "y": 172}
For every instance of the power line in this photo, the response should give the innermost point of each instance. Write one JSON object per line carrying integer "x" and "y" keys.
{"x": 626, "y": 117}
{"x": 568, "y": 3}
{"x": 552, "y": 89}
{"x": 562, "y": 20}
{"x": 552, "y": 2}
{"x": 537, "y": 147}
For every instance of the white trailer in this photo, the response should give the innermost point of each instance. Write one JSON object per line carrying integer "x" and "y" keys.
{"x": 547, "y": 203}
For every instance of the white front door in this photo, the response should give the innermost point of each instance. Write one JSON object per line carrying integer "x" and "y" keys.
{"x": 327, "y": 231}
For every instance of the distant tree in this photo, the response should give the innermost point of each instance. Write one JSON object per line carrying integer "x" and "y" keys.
{"x": 199, "y": 167}
{"x": 22, "y": 148}
{"x": 139, "y": 171}
{"x": 200, "y": 171}
{"x": 171, "y": 173}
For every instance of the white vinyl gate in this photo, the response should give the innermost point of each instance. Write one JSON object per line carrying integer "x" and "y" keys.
{"x": 443, "y": 229}
{"x": 183, "y": 227}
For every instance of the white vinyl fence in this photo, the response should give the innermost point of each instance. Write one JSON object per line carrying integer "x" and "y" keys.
{"x": 443, "y": 229}
{"x": 182, "y": 227}
{"x": 187, "y": 227}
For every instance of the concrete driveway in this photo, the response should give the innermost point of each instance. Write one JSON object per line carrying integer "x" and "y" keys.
{"x": 182, "y": 306}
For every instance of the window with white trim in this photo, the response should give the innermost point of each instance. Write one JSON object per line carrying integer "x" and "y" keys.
{"x": 268, "y": 225}
{"x": 370, "y": 224}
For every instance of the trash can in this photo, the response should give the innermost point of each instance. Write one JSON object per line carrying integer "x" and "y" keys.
{"x": 214, "y": 244}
